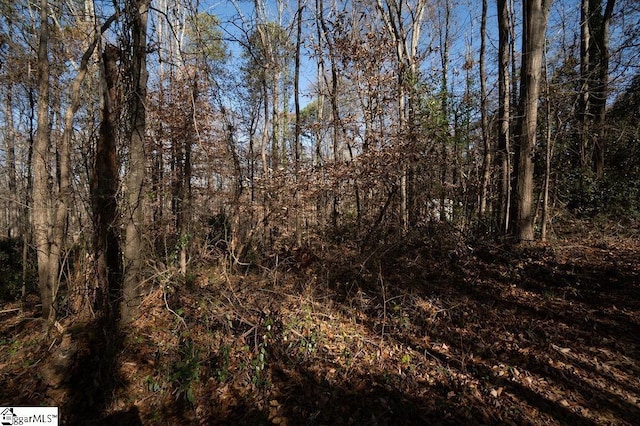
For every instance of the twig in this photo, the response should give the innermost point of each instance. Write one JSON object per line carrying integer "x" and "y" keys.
{"x": 164, "y": 296}
{"x": 6, "y": 311}
{"x": 438, "y": 360}
{"x": 384, "y": 303}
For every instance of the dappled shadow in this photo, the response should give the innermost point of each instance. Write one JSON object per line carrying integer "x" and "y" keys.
{"x": 399, "y": 336}
{"x": 560, "y": 323}
{"x": 371, "y": 399}
{"x": 304, "y": 398}
{"x": 75, "y": 369}
{"x": 92, "y": 377}
{"x": 129, "y": 417}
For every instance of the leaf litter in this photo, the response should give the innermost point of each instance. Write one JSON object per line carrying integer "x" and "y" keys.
{"x": 407, "y": 335}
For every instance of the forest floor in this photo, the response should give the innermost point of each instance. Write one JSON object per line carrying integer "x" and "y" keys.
{"x": 426, "y": 332}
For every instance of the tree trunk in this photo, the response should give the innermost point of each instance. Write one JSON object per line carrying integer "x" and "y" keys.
{"x": 104, "y": 187}
{"x": 504, "y": 109}
{"x": 64, "y": 194}
{"x": 133, "y": 212}
{"x": 594, "y": 76}
{"x": 27, "y": 218}
{"x": 13, "y": 201}
{"x": 547, "y": 158}
{"x": 333, "y": 98}
{"x": 600, "y": 50}
{"x": 296, "y": 90}
{"x": 185, "y": 193}
{"x": 49, "y": 220}
{"x": 42, "y": 186}
{"x": 444, "y": 89}
{"x": 584, "y": 95}
{"x": 535, "y": 16}
{"x": 486, "y": 160}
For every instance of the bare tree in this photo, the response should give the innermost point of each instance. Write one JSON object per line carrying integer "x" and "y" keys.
{"x": 594, "y": 69}
{"x": 138, "y": 12}
{"x": 104, "y": 187}
{"x": 297, "y": 131}
{"x": 11, "y": 210}
{"x": 504, "y": 113}
{"x": 403, "y": 22}
{"x": 535, "y": 18}
{"x": 484, "y": 113}
{"x": 42, "y": 180}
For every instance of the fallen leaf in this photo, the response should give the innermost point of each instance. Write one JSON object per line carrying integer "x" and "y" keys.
{"x": 497, "y": 392}
{"x": 279, "y": 421}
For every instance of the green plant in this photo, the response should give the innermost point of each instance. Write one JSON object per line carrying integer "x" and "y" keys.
{"x": 186, "y": 371}
{"x": 15, "y": 346}
{"x": 259, "y": 362}
{"x": 308, "y": 343}
{"x": 302, "y": 334}
{"x": 152, "y": 384}
{"x": 224, "y": 361}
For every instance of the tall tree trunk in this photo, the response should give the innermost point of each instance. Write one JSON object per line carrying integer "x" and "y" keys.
{"x": 584, "y": 95}
{"x": 13, "y": 201}
{"x": 535, "y": 16}
{"x": 444, "y": 89}
{"x": 486, "y": 142}
{"x": 133, "y": 212}
{"x": 41, "y": 172}
{"x": 104, "y": 187}
{"x": 600, "y": 50}
{"x": 28, "y": 222}
{"x": 49, "y": 220}
{"x": 594, "y": 77}
{"x": 296, "y": 90}
{"x": 547, "y": 157}
{"x": 185, "y": 193}
{"x": 320, "y": 72}
{"x": 333, "y": 98}
{"x": 504, "y": 112}
{"x": 64, "y": 194}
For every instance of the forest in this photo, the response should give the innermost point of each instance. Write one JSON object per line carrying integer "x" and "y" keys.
{"x": 380, "y": 212}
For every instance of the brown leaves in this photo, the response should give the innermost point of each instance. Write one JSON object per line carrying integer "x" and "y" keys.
{"x": 458, "y": 344}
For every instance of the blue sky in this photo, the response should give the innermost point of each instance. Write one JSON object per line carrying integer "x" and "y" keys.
{"x": 465, "y": 32}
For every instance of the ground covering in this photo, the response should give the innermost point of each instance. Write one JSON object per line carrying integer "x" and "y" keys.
{"x": 430, "y": 330}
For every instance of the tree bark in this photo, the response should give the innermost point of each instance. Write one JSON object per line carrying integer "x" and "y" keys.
{"x": 42, "y": 186}
{"x": 444, "y": 89}
{"x": 12, "y": 203}
{"x": 599, "y": 49}
{"x": 535, "y": 16}
{"x": 594, "y": 77}
{"x": 133, "y": 212}
{"x": 296, "y": 90}
{"x": 333, "y": 98}
{"x": 486, "y": 160}
{"x": 547, "y": 158}
{"x": 104, "y": 187}
{"x": 584, "y": 96}
{"x": 504, "y": 113}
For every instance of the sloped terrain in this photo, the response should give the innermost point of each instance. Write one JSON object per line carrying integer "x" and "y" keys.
{"x": 427, "y": 332}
